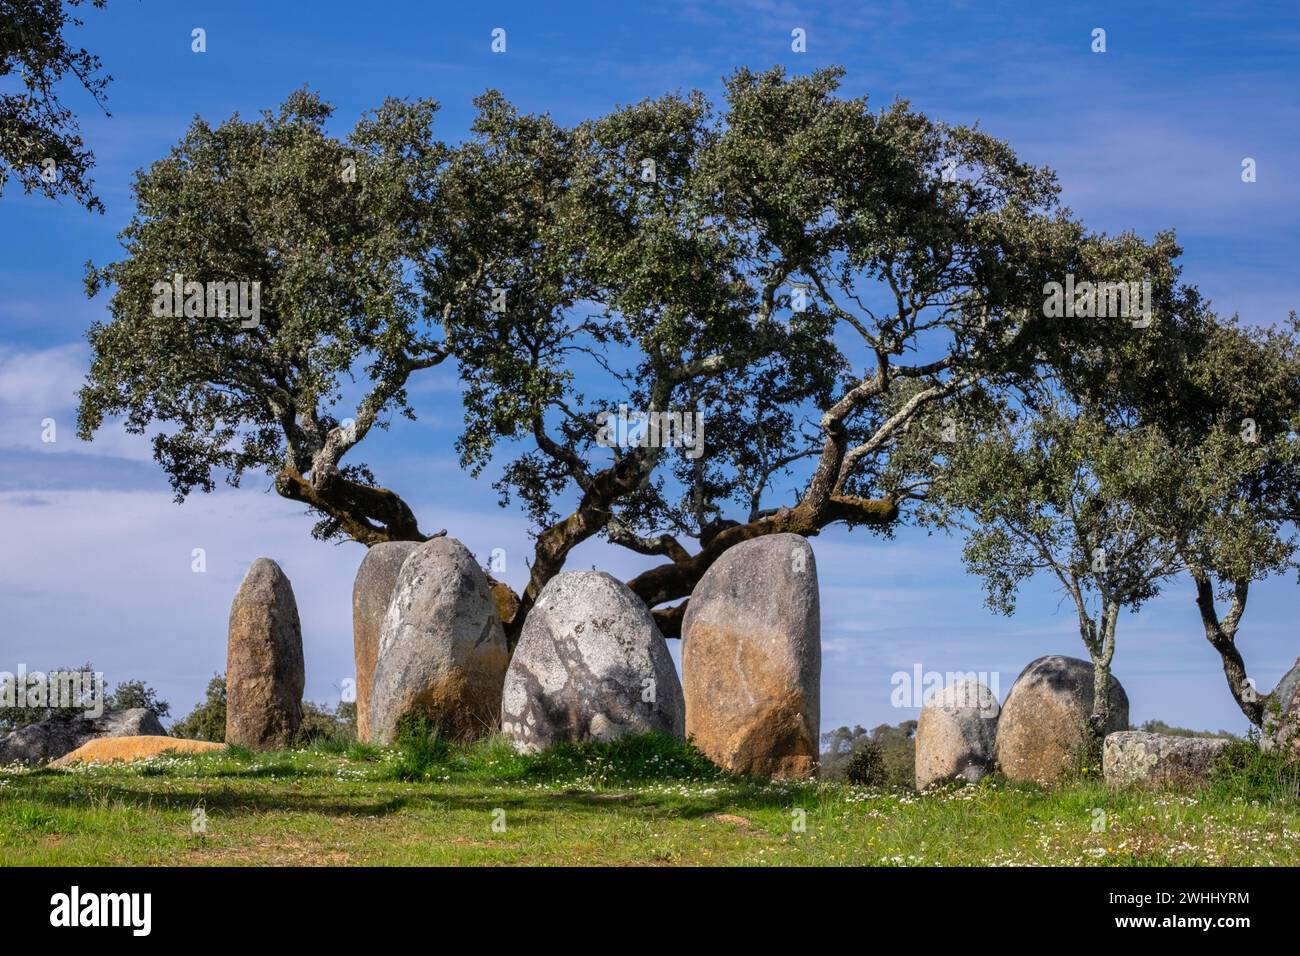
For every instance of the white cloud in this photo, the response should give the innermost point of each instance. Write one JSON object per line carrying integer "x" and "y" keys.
{"x": 40, "y": 379}
{"x": 42, "y": 383}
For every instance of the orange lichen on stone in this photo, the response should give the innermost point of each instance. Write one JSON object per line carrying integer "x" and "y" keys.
{"x": 110, "y": 749}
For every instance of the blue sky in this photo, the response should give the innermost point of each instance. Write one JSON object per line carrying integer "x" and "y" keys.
{"x": 95, "y": 558}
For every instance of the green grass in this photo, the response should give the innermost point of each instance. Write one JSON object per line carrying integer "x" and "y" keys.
{"x": 639, "y": 801}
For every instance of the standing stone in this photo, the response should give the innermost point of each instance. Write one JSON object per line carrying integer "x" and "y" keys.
{"x": 1282, "y": 727}
{"x": 590, "y": 665}
{"x": 1153, "y": 760}
{"x": 751, "y": 659}
{"x": 371, "y": 592}
{"x": 442, "y": 649}
{"x": 956, "y": 734}
{"x": 505, "y": 600}
{"x": 1044, "y": 723}
{"x": 264, "y": 668}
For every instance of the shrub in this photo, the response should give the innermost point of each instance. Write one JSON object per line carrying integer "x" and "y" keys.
{"x": 326, "y": 745}
{"x": 629, "y": 759}
{"x": 866, "y": 767}
{"x": 207, "y": 721}
{"x": 321, "y": 725}
{"x": 346, "y": 712}
{"x": 1245, "y": 771}
{"x": 421, "y": 749}
{"x": 895, "y": 743}
{"x": 358, "y": 750}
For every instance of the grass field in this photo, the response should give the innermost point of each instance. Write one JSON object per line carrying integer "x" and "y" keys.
{"x": 639, "y": 802}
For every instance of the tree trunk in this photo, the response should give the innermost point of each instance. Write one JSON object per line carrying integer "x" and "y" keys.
{"x": 1222, "y": 636}
{"x": 367, "y": 514}
{"x": 1100, "y": 697}
{"x": 669, "y": 582}
{"x": 1094, "y": 731}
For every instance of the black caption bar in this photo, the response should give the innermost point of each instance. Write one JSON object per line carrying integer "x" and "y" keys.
{"x": 139, "y": 907}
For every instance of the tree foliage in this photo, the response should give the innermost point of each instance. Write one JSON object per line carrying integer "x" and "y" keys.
{"x": 207, "y": 721}
{"x": 91, "y": 694}
{"x": 36, "y": 126}
{"x": 1171, "y": 448}
{"x": 133, "y": 694}
{"x": 816, "y": 278}
{"x": 1225, "y": 490}
{"x": 273, "y": 201}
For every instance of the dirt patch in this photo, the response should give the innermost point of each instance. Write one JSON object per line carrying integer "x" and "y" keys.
{"x": 732, "y": 819}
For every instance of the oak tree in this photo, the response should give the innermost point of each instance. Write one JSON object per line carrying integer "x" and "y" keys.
{"x": 805, "y": 273}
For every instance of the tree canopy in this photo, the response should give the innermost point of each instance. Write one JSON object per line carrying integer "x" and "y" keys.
{"x": 1171, "y": 449}
{"x": 821, "y": 281}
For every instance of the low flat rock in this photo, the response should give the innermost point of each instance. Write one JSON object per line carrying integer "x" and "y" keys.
{"x": 956, "y": 734}
{"x": 590, "y": 665}
{"x": 1152, "y": 760}
{"x": 130, "y": 749}
{"x": 52, "y": 738}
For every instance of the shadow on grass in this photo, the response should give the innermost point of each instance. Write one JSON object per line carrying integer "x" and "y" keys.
{"x": 737, "y": 799}
{"x": 225, "y": 799}
{"x": 650, "y": 775}
{"x": 732, "y": 799}
{"x": 284, "y": 771}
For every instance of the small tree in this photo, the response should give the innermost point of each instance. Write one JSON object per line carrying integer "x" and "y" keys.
{"x": 1224, "y": 487}
{"x": 1047, "y": 491}
{"x": 131, "y": 694}
{"x": 207, "y": 721}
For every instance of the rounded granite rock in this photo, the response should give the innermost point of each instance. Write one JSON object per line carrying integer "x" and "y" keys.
{"x": 442, "y": 650}
{"x": 590, "y": 665}
{"x": 1045, "y": 721}
{"x": 956, "y": 734}
{"x": 751, "y": 659}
